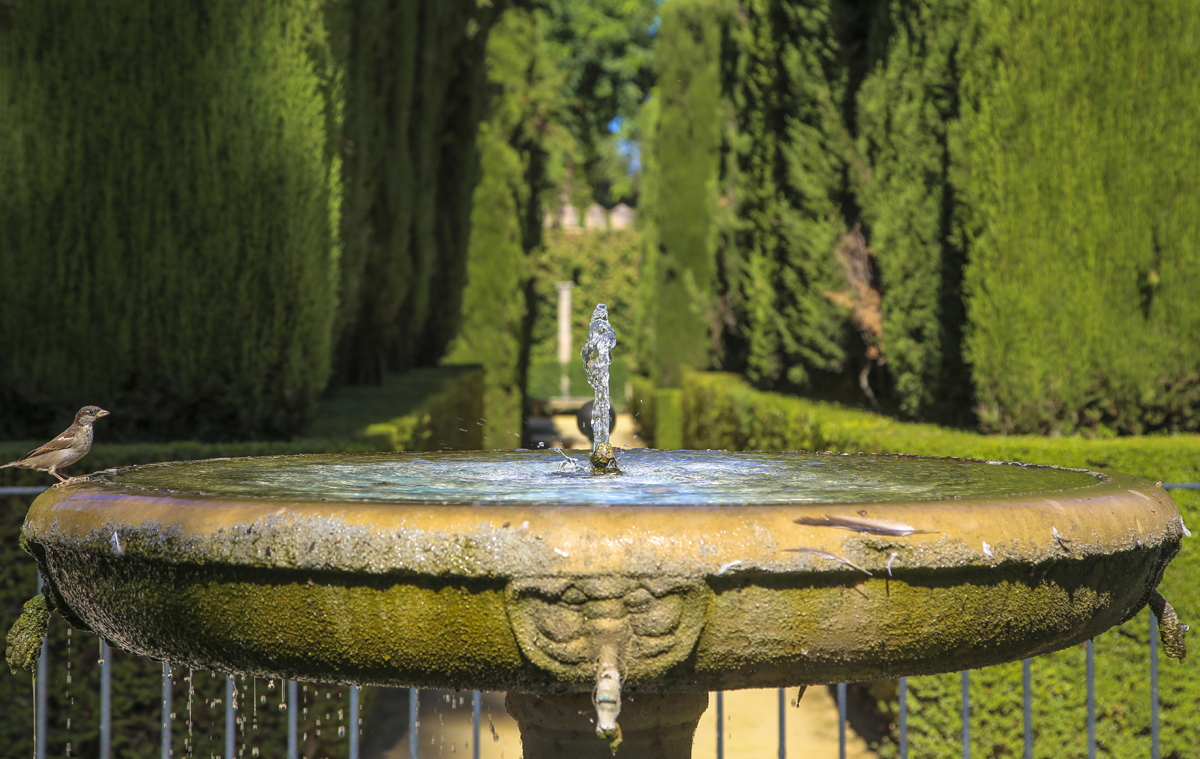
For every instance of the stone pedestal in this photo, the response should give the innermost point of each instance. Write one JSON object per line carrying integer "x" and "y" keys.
{"x": 653, "y": 726}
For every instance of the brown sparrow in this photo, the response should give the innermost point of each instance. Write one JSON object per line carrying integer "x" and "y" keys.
{"x": 64, "y": 450}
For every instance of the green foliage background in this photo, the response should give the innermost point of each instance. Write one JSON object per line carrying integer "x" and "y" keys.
{"x": 1085, "y": 244}
{"x": 909, "y": 142}
{"x": 157, "y": 197}
{"x": 605, "y": 267}
{"x": 1021, "y": 171}
{"x": 782, "y": 182}
{"x": 682, "y": 156}
{"x": 415, "y": 94}
{"x": 506, "y": 220}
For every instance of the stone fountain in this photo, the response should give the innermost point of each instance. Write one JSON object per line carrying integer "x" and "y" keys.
{"x": 604, "y": 604}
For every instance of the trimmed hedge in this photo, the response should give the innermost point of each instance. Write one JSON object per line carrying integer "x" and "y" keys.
{"x": 421, "y": 411}
{"x": 168, "y": 216}
{"x": 723, "y": 411}
{"x": 781, "y": 189}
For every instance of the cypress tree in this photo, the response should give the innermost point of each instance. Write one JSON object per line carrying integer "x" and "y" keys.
{"x": 1086, "y": 218}
{"x": 168, "y": 207}
{"x": 415, "y": 95}
{"x": 782, "y": 178}
{"x": 907, "y": 110}
{"x": 506, "y": 223}
{"x": 685, "y": 142}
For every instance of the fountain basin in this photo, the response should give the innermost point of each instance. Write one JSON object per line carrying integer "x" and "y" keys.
{"x": 409, "y": 569}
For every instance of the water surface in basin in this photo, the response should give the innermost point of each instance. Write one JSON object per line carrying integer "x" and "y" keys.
{"x": 650, "y": 477}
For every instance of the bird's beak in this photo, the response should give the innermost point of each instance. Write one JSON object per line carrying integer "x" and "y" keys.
{"x": 101, "y": 413}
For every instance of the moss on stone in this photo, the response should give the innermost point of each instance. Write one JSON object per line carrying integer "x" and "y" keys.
{"x": 25, "y": 637}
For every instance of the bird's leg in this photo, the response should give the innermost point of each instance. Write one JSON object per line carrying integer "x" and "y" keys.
{"x": 52, "y": 471}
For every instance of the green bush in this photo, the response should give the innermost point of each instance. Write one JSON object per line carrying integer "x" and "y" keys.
{"x": 605, "y": 267}
{"x": 424, "y": 410}
{"x": 545, "y": 381}
{"x": 1013, "y": 134}
{"x": 168, "y": 216}
{"x": 723, "y": 411}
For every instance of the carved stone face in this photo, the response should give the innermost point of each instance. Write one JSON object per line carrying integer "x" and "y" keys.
{"x": 561, "y": 623}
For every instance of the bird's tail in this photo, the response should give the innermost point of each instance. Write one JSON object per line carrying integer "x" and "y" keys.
{"x": 6, "y": 466}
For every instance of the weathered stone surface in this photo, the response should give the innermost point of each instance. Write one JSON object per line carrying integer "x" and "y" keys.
{"x": 520, "y": 596}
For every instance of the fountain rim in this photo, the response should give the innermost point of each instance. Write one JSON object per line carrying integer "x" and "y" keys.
{"x": 511, "y": 539}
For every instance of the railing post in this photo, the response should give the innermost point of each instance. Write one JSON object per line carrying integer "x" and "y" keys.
{"x": 904, "y": 718}
{"x": 293, "y": 698}
{"x": 354, "y": 722}
{"x": 476, "y": 717}
{"x": 1027, "y": 693}
{"x": 105, "y": 700}
{"x": 966, "y": 714}
{"x": 782, "y": 724}
{"x": 720, "y": 725}
{"x": 414, "y": 721}
{"x": 1091, "y": 698}
{"x": 166, "y": 710}
{"x": 40, "y": 700}
{"x": 1154, "y": 747}
{"x": 841, "y": 703}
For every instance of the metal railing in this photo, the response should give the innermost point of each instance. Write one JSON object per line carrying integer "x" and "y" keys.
{"x": 353, "y": 733}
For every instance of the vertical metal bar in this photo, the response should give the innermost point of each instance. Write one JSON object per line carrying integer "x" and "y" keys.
{"x": 841, "y": 701}
{"x": 1027, "y": 693}
{"x": 354, "y": 689}
{"x": 166, "y": 710}
{"x": 476, "y": 717}
{"x": 720, "y": 725}
{"x": 293, "y": 698}
{"x": 40, "y": 699}
{"x": 231, "y": 719}
{"x": 966, "y": 715}
{"x": 904, "y": 718}
{"x": 1154, "y": 747}
{"x": 1091, "y": 696}
{"x": 782, "y": 724}
{"x": 105, "y": 699}
{"x": 414, "y": 721}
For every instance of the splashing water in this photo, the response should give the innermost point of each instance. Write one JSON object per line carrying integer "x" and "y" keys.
{"x": 597, "y": 356}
